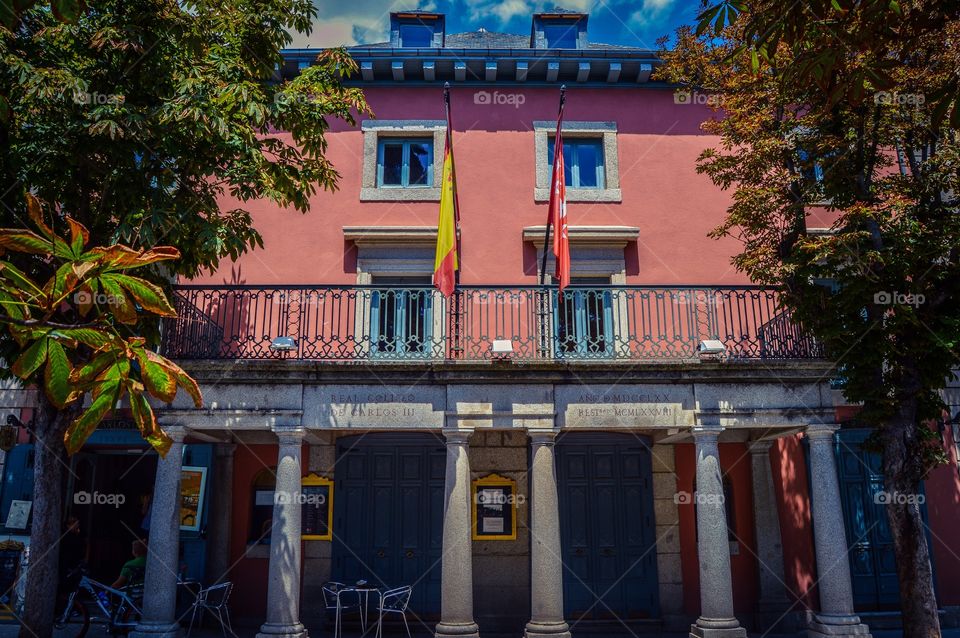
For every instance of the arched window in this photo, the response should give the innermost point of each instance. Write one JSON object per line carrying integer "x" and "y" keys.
{"x": 261, "y": 508}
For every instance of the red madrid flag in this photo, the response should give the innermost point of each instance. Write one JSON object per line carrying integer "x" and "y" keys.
{"x": 558, "y": 212}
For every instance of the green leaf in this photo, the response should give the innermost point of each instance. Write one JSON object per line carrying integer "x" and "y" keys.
{"x": 31, "y": 360}
{"x": 895, "y": 6}
{"x": 94, "y": 337}
{"x": 56, "y": 377}
{"x": 84, "y": 425}
{"x": 159, "y": 381}
{"x": 123, "y": 310}
{"x": 89, "y": 371}
{"x": 150, "y": 297}
{"x": 24, "y": 241}
{"x": 19, "y": 279}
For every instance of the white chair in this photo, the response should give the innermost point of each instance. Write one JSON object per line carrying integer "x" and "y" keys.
{"x": 337, "y": 599}
{"x": 213, "y": 600}
{"x": 394, "y": 601}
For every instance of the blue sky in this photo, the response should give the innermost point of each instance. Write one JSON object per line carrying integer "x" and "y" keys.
{"x": 629, "y": 22}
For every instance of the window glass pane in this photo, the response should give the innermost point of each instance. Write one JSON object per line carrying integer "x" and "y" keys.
{"x": 589, "y": 160}
{"x": 416, "y": 35}
{"x": 392, "y": 164}
{"x": 560, "y": 36}
{"x": 419, "y": 162}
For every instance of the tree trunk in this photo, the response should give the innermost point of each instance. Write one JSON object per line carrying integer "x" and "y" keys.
{"x": 903, "y": 472}
{"x": 50, "y": 459}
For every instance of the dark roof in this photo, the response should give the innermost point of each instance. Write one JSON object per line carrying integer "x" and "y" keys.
{"x": 483, "y": 39}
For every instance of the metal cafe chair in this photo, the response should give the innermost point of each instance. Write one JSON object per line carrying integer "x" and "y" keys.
{"x": 394, "y": 601}
{"x": 339, "y": 597}
{"x": 214, "y": 601}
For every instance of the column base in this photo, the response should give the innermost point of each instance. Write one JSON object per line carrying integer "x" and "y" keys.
{"x": 824, "y": 625}
{"x": 460, "y": 630}
{"x": 278, "y": 630}
{"x": 717, "y": 628}
{"x": 546, "y": 629}
{"x": 153, "y": 629}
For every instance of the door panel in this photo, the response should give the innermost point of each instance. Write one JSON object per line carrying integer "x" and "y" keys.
{"x": 873, "y": 567}
{"x": 607, "y": 528}
{"x": 388, "y": 518}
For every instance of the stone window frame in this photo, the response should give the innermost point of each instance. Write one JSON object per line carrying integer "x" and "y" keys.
{"x": 604, "y": 131}
{"x": 373, "y": 132}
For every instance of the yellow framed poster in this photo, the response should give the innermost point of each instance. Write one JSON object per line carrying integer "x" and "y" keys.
{"x": 494, "y": 508}
{"x": 316, "y": 498}
{"x": 193, "y": 480}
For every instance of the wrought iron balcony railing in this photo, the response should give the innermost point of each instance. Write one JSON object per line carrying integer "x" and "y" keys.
{"x": 529, "y": 323}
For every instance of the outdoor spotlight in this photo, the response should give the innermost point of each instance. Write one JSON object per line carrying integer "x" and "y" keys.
{"x": 283, "y": 344}
{"x": 712, "y": 347}
{"x": 502, "y": 348}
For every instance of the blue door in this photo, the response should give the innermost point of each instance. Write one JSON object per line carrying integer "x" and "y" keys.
{"x": 401, "y": 318}
{"x": 388, "y": 514}
{"x": 583, "y": 323}
{"x": 873, "y": 568}
{"x": 607, "y": 528}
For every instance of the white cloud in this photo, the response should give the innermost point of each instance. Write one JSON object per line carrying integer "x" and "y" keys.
{"x": 650, "y": 12}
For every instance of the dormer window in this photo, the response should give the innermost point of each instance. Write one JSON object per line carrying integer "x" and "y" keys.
{"x": 417, "y": 30}
{"x": 417, "y": 36}
{"x": 560, "y": 35}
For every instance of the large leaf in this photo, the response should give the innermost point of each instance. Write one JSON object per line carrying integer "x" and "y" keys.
{"x": 159, "y": 381}
{"x": 184, "y": 380}
{"x": 79, "y": 236}
{"x": 24, "y": 241}
{"x": 84, "y": 425}
{"x": 31, "y": 360}
{"x": 122, "y": 308}
{"x": 95, "y": 338}
{"x": 22, "y": 283}
{"x": 56, "y": 376}
{"x": 150, "y": 297}
{"x": 89, "y": 371}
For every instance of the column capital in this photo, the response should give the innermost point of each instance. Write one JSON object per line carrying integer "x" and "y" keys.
{"x": 176, "y": 432}
{"x": 542, "y": 437}
{"x": 760, "y": 447}
{"x": 821, "y": 431}
{"x": 290, "y": 436}
{"x": 457, "y": 437}
{"x": 706, "y": 433}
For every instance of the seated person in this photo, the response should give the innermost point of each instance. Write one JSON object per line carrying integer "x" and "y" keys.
{"x": 133, "y": 570}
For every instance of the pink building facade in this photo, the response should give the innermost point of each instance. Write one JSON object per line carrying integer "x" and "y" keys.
{"x": 656, "y": 448}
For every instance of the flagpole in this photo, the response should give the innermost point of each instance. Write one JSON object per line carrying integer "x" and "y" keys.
{"x": 546, "y": 237}
{"x": 456, "y": 346}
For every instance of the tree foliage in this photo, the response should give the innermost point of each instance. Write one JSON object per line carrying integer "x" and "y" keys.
{"x": 845, "y": 189}
{"x": 77, "y": 331}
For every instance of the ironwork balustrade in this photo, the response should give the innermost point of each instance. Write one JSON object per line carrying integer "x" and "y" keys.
{"x": 378, "y": 323}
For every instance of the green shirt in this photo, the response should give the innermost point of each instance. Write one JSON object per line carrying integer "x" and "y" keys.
{"x": 134, "y": 569}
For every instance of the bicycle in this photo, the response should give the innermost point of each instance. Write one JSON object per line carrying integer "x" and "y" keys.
{"x": 120, "y": 608}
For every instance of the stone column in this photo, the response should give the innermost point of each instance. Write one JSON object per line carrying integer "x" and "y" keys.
{"x": 836, "y": 616}
{"x": 456, "y": 568}
{"x": 766, "y": 520}
{"x": 221, "y": 515}
{"x": 163, "y": 555}
{"x": 713, "y": 545}
{"x": 546, "y": 563}
{"x": 283, "y": 581}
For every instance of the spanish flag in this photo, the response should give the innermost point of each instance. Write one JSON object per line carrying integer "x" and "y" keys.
{"x": 447, "y": 261}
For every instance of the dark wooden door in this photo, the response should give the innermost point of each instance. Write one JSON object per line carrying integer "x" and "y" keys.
{"x": 388, "y": 515}
{"x": 607, "y": 528}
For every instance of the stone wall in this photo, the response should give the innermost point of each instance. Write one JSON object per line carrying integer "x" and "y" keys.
{"x": 668, "y": 538}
